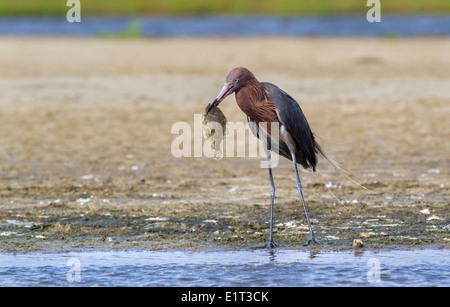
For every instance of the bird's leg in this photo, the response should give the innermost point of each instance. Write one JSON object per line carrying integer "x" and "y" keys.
{"x": 271, "y": 244}
{"x": 312, "y": 238}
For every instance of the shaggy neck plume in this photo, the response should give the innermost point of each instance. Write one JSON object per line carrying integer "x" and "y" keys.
{"x": 253, "y": 101}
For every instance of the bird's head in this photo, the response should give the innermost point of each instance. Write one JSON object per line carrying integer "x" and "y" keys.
{"x": 236, "y": 79}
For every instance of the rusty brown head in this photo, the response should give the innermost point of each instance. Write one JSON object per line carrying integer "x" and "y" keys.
{"x": 236, "y": 79}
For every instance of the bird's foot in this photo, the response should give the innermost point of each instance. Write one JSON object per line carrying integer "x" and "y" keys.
{"x": 270, "y": 245}
{"x": 312, "y": 241}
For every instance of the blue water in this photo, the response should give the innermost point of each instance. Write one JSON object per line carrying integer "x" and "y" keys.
{"x": 419, "y": 267}
{"x": 231, "y": 25}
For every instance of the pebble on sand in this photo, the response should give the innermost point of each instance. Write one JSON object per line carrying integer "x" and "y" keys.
{"x": 358, "y": 243}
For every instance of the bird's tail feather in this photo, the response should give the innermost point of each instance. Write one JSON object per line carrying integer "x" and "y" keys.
{"x": 336, "y": 166}
{"x": 323, "y": 180}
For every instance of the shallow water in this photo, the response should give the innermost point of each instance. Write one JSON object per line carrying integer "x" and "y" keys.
{"x": 420, "y": 267}
{"x": 230, "y": 25}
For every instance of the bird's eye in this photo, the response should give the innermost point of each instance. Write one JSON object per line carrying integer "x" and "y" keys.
{"x": 236, "y": 80}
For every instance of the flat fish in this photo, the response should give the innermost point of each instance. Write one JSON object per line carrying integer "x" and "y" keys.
{"x": 215, "y": 130}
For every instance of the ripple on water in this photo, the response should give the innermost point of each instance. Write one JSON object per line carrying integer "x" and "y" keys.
{"x": 428, "y": 267}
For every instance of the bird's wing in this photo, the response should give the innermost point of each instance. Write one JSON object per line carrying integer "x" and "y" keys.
{"x": 253, "y": 126}
{"x": 294, "y": 121}
{"x": 279, "y": 147}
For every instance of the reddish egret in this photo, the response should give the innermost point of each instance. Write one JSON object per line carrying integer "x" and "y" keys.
{"x": 266, "y": 103}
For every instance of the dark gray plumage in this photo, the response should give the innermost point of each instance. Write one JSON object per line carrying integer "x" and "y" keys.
{"x": 292, "y": 118}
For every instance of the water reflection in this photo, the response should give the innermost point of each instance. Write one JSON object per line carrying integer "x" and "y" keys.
{"x": 277, "y": 267}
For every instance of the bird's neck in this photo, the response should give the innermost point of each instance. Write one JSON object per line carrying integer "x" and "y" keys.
{"x": 250, "y": 97}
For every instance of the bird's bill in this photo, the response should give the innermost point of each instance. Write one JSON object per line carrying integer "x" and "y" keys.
{"x": 226, "y": 90}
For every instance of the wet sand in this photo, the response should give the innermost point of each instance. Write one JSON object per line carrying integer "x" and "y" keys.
{"x": 85, "y": 144}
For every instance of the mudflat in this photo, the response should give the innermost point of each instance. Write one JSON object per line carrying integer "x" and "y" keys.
{"x": 86, "y": 137}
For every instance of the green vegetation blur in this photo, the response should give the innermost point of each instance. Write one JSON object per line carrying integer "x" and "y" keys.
{"x": 277, "y": 7}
